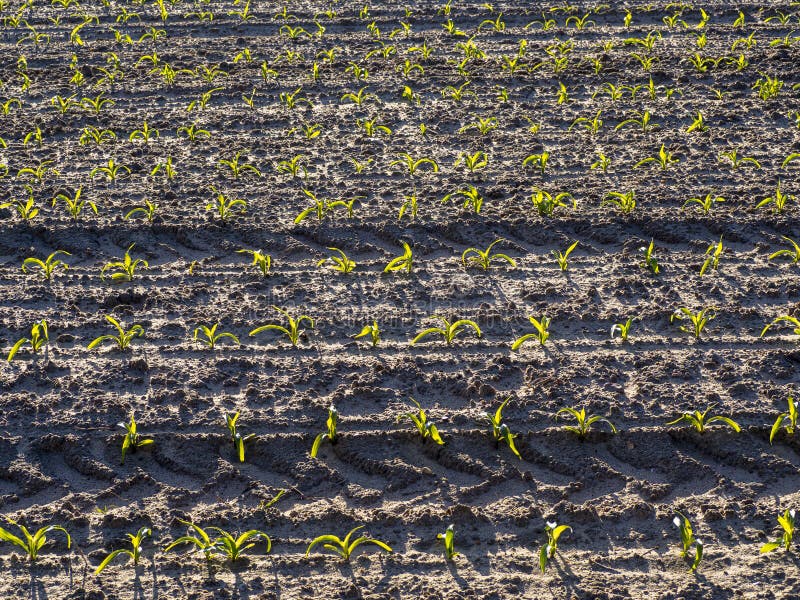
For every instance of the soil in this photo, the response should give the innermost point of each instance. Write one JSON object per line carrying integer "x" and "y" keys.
{"x": 59, "y": 438}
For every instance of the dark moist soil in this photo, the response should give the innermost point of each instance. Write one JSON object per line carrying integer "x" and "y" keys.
{"x": 59, "y": 440}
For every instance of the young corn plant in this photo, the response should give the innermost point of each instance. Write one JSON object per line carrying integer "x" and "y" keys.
{"x": 32, "y": 544}
{"x": 39, "y": 338}
{"x": 794, "y": 321}
{"x": 201, "y": 541}
{"x": 537, "y": 160}
{"x": 713, "y": 254}
{"x": 688, "y": 541}
{"x": 413, "y": 165}
{"x": 779, "y": 200}
{"x": 472, "y": 198}
{"x": 340, "y": 263}
{"x": 553, "y": 531}
{"x": 148, "y": 211}
{"x": 542, "y": 332}
{"x": 123, "y": 338}
{"x": 563, "y": 257}
{"x": 500, "y": 431}
{"x": 448, "y": 538}
{"x": 293, "y": 331}
{"x": 75, "y": 204}
{"x": 134, "y": 553}
{"x": 786, "y": 521}
{"x": 736, "y": 161}
{"x": 484, "y": 258}
{"x": 649, "y": 260}
{"x": 237, "y": 167}
{"x": 449, "y": 331}
{"x": 373, "y": 331}
{"x": 584, "y": 422}
{"x": 209, "y": 337}
{"x": 26, "y": 210}
{"x": 793, "y": 254}
{"x": 48, "y": 265}
{"x": 232, "y": 547}
{"x": 125, "y": 269}
{"x": 623, "y": 329}
{"x": 330, "y": 434}
{"x": 697, "y": 321}
{"x": 404, "y": 262}
{"x": 624, "y": 201}
{"x": 546, "y": 203}
{"x": 225, "y": 207}
{"x": 323, "y": 207}
{"x": 663, "y": 159}
{"x": 704, "y": 204}
{"x": 133, "y": 439}
{"x": 345, "y": 547}
{"x": 425, "y": 427}
{"x": 700, "y": 420}
{"x": 237, "y": 438}
{"x": 787, "y": 420}
{"x": 263, "y": 262}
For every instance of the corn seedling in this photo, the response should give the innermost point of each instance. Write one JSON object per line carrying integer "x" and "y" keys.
{"x": 202, "y": 542}
{"x": 193, "y": 132}
{"x": 293, "y": 331}
{"x": 704, "y": 204}
{"x": 713, "y": 254}
{"x": 698, "y": 320}
{"x": 584, "y": 421}
{"x": 146, "y": 133}
{"x": 148, "y": 210}
{"x": 778, "y": 200}
{"x": 39, "y": 338}
{"x": 792, "y": 157}
{"x": 553, "y": 531}
{"x": 794, "y": 321}
{"x": 75, "y": 204}
{"x": 481, "y": 124}
{"x": 123, "y": 338}
{"x": 767, "y": 87}
{"x": 233, "y": 546}
{"x": 48, "y": 265}
{"x": 624, "y": 201}
{"x": 449, "y": 331}
{"x": 134, "y": 553}
{"x": 27, "y": 210}
{"x": 322, "y": 207}
{"x": 225, "y": 207}
{"x": 592, "y": 126}
{"x": 132, "y": 440}
{"x": 38, "y": 173}
{"x": 32, "y": 544}
{"x": 473, "y": 162}
{"x": 484, "y": 258}
{"x": 448, "y": 540}
{"x": 339, "y": 263}
{"x": 472, "y": 198}
{"x": 542, "y": 332}
{"x": 700, "y": 421}
{"x": 412, "y": 165}
{"x": 344, "y": 547}
{"x": 664, "y": 159}
{"x": 404, "y": 262}
{"x": 112, "y": 170}
{"x": 125, "y": 269}
{"x": 210, "y": 337}
{"x": 237, "y": 438}
{"x": 563, "y": 257}
{"x": 238, "y": 167}
{"x": 538, "y": 160}
{"x": 786, "y": 521}
{"x": 546, "y": 203}
{"x": 330, "y": 434}
{"x": 373, "y": 331}
{"x": 292, "y": 100}
{"x": 602, "y": 162}
{"x": 793, "y": 254}
{"x": 260, "y": 260}
{"x": 95, "y": 135}
{"x": 425, "y": 427}
{"x": 358, "y": 98}
{"x": 688, "y": 541}
{"x": 642, "y": 122}
{"x": 623, "y": 329}
{"x": 788, "y": 420}
{"x": 500, "y": 432}
{"x": 698, "y": 124}
{"x": 737, "y": 161}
